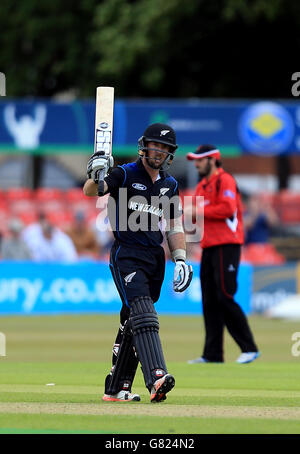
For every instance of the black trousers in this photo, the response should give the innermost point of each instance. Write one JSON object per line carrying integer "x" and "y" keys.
{"x": 218, "y": 275}
{"x": 137, "y": 271}
{"x": 145, "y": 267}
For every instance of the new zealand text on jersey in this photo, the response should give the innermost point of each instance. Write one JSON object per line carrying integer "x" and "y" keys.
{"x": 141, "y": 213}
{"x": 132, "y": 205}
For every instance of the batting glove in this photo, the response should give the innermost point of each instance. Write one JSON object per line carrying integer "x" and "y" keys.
{"x": 98, "y": 162}
{"x": 183, "y": 274}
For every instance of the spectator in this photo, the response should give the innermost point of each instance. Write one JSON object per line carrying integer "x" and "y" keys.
{"x": 259, "y": 219}
{"x": 48, "y": 243}
{"x": 83, "y": 237}
{"x": 13, "y": 247}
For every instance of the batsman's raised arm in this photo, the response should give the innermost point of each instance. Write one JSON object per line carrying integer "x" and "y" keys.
{"x": 90, "y": 188}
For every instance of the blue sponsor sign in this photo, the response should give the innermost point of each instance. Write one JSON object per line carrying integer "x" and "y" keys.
{"x": 31, "y": 288}
{"x": 273, "y": 284}
{"x": 266, "y": 128}
{"x": 44, "y": 126}
{"x": 190, "y": 301}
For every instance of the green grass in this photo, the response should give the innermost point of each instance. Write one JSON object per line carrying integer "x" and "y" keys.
{"x": 137, "y": 425}
{"x": 74, "y": 352}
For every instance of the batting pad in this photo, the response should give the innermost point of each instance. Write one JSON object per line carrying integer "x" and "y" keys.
{"x": 145, "y": 328}
{"x": 125, "y": 367}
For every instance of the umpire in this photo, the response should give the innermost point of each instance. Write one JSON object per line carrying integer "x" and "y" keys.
{"x": 221, "y": 243}
{"x": 147, "y": 197}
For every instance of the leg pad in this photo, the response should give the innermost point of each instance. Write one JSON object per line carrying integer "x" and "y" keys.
{"x": 145, "y": 329}
{"x": 124, "y": 369}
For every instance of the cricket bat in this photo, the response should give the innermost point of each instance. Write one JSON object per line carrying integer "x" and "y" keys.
{"x": 104, "y": 127}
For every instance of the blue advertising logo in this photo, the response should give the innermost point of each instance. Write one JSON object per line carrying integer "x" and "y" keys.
{"x": 266, "y": 128}
{"x": 86, "y": 287}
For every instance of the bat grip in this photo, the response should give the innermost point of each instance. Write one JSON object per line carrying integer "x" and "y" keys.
{"x": 101, "y": 183}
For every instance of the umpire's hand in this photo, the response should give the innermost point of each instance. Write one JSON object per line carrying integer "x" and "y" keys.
{"x": 183, "y": 274}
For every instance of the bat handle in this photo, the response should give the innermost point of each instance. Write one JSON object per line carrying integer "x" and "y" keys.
{"x": 101, "y": 183}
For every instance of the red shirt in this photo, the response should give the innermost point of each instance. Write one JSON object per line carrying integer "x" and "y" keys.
{"x": 223, "y": 223}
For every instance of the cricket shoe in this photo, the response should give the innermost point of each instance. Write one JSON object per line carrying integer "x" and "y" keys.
{"x": 121, "y": 396}
{"x": 247, "y": 357}
{"x": 161, "y": 387}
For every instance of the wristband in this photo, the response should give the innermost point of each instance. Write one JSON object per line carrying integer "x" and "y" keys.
{"x": 178, "y": 254}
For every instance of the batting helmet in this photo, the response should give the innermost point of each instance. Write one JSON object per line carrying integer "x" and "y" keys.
{"x": 161, "y": 133}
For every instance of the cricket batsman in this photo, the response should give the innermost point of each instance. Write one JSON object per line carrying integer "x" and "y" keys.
{"x": 137, "y": 259}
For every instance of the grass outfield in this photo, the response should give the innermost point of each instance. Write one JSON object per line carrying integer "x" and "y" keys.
{"x": 74, "y": 353}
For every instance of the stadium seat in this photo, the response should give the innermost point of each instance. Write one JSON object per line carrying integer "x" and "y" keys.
{"x": 4, "y": 217}
{"x": 19, "y": 194}
{"x": 51, "y": 206}
{"x": 75, "y": 195}
{"x": 61, "y": 219}
{"x": 28, "y": 217}
{"x": 77, "y": 201}
{"x": 21, "y": 206}
{"x": 4, "y": 205}
{"x": 46, "y": 194}
{"x": 267, "y": 197}
{"x": 287, "y": 205}
{"x": 290, "y": 215}
{"x": 261, "y": 254}
{"x": 50, "y": 200}
{"x": 85, "y": 204}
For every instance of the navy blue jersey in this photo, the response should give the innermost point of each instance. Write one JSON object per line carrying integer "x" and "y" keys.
{"x": 139, "y": 208}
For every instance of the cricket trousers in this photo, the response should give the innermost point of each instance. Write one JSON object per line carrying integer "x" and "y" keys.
{"x": 137, "y": 271}
{"x": 218, "y": 275}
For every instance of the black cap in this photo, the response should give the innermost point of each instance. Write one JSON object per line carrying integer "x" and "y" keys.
{"x": 159, "y": 132}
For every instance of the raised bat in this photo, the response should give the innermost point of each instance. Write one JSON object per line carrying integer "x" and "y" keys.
{"x": 104, "y": 127}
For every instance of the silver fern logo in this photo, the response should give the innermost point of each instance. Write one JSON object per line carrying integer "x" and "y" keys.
{"x": 163, "y": 191}
{"x": 129, "y": 277}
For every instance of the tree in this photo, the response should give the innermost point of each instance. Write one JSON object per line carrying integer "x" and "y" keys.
{"x": 157, "y": 48}
{"x": 45, "y": 46}
{"x": 199, "y": 48}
